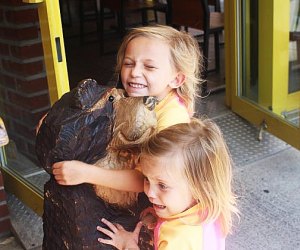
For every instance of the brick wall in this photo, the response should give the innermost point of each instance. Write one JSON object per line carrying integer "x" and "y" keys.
{"x": 23, "y": 84}
{"x": 5, "y": 224}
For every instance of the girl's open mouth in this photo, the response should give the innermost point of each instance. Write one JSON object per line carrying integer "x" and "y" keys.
{"x": 156, "y": 206}
{"x": 136, "y": 85}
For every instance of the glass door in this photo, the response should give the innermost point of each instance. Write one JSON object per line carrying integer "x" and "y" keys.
{"x": 21, "y": 171}
{"x": 263, "y": 65}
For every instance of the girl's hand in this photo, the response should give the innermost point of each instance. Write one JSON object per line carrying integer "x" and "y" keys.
{"x": 70, "y": 172}
{"x": 120, "y": 238}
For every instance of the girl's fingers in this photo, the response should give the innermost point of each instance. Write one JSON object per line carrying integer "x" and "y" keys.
{"x": 110, "y": 225}
{"x": 61, "y": 182}
{"x": 59, "y": 178}
{"x": 56, "y": 165}
{"x": 109, "y": 242}
{"x": 120, "y": 227}
{"x": 106, "y": 232}
{"x": 56, "y": 170}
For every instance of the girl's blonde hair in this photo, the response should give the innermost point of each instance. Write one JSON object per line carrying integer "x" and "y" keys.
{"x": 203, "y": 159}
{"x": 185, "y": 57}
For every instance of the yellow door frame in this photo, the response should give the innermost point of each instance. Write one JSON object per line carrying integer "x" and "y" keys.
{"x": 54, "y": 48}
{"x": 58, "y": 84}
{"x": 273, "y": 64}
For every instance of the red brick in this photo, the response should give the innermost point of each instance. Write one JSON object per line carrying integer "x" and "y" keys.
{"x": 8, "y": 82}
{"x": 1, "y": 107}
{"x": 2, "y": 193}
{"x": 26, "y": 116}
{"x": 32, "y": 86}
{"x": 20, "y": 34}
{"x": 22, "y": 16}
{"x": 12, "y": 111}
{"x": 5, "y": 226}
{"x": 29, "y": 102}
{"x": 3, "y": 210}
{"x": 12, "y": 2}
{"x": 25, "y": 69}
{"x": 1, "y": 181}
{"x": 4, "y": 49}
{"x": 29, "y": 51}
{"x": 1, "y": 15}
{"x": 3, "y": 94}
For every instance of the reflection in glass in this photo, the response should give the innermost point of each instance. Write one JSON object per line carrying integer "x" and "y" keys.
{"x": 294, "y": 59}
{"x": 249, "y": 49}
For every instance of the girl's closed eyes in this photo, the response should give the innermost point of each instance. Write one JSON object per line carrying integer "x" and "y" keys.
{"x": 128, "y": 63}
{"x": 150, "y": 67}
{"x": 147, "y": 66}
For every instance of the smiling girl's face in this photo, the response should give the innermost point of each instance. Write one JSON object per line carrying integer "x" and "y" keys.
{"x": 147, "y": 69}
{"x": 165, "y": 186}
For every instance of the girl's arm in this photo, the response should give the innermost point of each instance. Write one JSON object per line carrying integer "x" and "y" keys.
{"x": 119, "y": 237}
{"x": 77, "y": 172}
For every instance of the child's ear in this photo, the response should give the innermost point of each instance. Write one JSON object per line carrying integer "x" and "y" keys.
{"x": 178, "y": 81}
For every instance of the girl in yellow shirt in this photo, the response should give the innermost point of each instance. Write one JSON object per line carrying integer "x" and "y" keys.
{"x": 188, "y": 175}
{"x": 155, "y": 61}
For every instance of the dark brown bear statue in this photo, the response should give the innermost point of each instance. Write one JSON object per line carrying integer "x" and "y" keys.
{"x": 94, "y": 124}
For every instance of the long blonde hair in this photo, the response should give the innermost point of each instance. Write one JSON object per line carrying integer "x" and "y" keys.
{"x": 185, "y": 57}
{"x": 205, "y": 163}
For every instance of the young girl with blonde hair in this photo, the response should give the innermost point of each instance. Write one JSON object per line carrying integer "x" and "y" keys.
{"x": 188, "y": 180}
{"x": 155, "y": 61}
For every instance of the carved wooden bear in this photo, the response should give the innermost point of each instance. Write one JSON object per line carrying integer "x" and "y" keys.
{"x": 101, "y": 126}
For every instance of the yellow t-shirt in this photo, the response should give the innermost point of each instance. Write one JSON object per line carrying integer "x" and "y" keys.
{"x": 185, "y": 231}
{"x": 170, "y": 111}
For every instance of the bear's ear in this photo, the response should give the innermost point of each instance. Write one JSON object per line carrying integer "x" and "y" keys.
{"x": 150, "y": 102}
{"x": 86, "y": 94}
